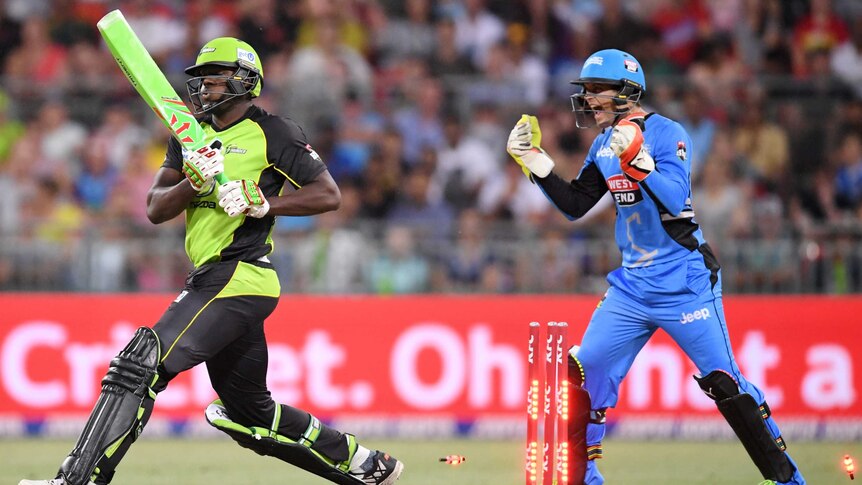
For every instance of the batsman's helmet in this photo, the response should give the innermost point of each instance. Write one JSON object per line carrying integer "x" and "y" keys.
{"x": 610, "y": 67}
{"x": 230, "y": 53}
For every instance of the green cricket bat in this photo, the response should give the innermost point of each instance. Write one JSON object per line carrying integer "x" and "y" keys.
{"x": 142, "y": 71}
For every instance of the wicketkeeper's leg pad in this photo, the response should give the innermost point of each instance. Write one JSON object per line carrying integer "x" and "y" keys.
{"x": 119, "y": 409}
{"x": 580, "y": 415}
{"x": 746, "y": 417}
{"x": 268, "y": 442}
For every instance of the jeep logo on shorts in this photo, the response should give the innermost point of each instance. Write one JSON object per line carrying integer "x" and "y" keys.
{"x": 701, "y": 314}
{"x": 626, "y": 192}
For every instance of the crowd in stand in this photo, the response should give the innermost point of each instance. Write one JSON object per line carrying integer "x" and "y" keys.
{"x": 409, "y": 103}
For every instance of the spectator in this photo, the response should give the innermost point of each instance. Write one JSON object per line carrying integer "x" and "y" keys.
{"x": 528, "y": 69}
{"x": 382, "y": 177}
{"x": 62, "y": 140}
{"x": 10, "y": 130}
{"x": 476, "y": 30}
{"x": 701, "y": 128}
{"x": 358, "y": 127}
{"x": 463, "y": 164}
{"x": 470, "y": 265}
{"x": 342, "y": 16}
{"x": 398, "y": 268}
{"x": 616, "y": 29}
{"x": 763, "y": 143}
{"x": 97, "y": 179}
{"x": 846, "y": 60}
{"x": 717, "y": 70}
{"x": 37, "y": 65}
{"x": 768, "y": 261}
{"x": 323, "y": 73}
{"x": 151, "y": 20}
{"x": 683, "y": 24}
{"x": 820, "y": 29}
{"x": 414, "y": 207}
{"x": 507, "y": 195}
{"x": 848, "y": 179}
{"x": 446, "y": 60}
{"x": 330, "y": 260}
{"x": 419, "y": 122}
{"x": 10, "y": 35}
{"x": 721, "y": 206}
{"x": 409, "y": 36}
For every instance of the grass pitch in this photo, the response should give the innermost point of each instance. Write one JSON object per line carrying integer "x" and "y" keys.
{"x": 208, "y": 462}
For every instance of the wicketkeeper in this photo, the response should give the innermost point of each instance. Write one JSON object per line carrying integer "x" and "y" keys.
{"x": 218, "y": 317}
{"x": 669, "y": 278}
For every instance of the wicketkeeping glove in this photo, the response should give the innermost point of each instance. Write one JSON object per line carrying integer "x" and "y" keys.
{"x": 524, "y": 146}
{"x": 627, "y": 141}
{"x": 242, "y": 197}
{"x": 201, "y": 166}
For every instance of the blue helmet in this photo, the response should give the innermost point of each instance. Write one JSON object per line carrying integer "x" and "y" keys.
{"x": 612, "y": 67}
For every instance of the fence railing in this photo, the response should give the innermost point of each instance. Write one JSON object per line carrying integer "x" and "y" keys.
{"x": 373, "y": 257}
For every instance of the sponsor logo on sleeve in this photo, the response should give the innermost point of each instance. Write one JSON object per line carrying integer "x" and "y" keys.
{"x": 313, "y": 153}
{"x": 680, "y": 150}
{"x": 626, "y": 192}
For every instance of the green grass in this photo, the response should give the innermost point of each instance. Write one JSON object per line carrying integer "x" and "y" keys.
{"x": 172, "y": 462}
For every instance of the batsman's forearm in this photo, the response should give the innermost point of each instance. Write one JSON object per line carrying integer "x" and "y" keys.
{"x": 305, "y": 202}
{"x": 165, "y": 203}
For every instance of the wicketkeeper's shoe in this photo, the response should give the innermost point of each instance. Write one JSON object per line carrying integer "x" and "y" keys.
{"x": 53, "y": 481}
{"x": 380, "y": 469}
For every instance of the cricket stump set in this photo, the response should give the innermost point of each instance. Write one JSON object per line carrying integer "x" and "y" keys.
{"x": 548, "y": 406}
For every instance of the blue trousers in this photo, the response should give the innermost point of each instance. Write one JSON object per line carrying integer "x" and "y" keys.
{"x": 683, "y": 298}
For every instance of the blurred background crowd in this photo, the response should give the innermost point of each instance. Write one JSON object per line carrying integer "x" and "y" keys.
{"x": 410, "y": 102}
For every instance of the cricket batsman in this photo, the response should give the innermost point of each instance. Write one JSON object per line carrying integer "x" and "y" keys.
{"x": 669, "y": 279}
{"x": 218, "y": 317}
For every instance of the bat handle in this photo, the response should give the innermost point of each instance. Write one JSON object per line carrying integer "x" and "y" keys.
{"x": 220, "y": 178}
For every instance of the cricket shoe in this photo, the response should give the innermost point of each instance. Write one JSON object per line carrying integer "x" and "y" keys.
{"x": 379, "y": 469}
{"x": 53, "y": 481}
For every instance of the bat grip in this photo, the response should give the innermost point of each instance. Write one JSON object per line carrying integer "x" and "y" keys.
{"x": 220, "y": 178}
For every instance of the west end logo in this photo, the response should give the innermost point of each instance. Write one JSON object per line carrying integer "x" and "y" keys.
{"x": 626, "y": 192}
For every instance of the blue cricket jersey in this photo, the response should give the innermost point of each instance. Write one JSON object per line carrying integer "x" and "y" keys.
{"x": 655, "y": 221}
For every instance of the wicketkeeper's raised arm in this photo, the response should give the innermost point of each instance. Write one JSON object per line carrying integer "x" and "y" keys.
{"x": 573, "y": 199}
{"x": 669, "y": 183}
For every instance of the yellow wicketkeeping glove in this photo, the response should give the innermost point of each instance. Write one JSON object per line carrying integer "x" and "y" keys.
{"x": 524, "y": 146}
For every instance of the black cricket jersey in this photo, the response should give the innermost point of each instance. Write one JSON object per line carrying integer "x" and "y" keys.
{"x": 269, "y": 149}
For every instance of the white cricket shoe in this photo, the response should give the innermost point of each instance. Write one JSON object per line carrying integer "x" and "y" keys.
{"x": 380, "y": 469}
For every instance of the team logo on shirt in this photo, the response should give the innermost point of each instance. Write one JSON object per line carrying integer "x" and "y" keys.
{"x": 626, "y": 192}
{"x": 234, "y": 149}
{"x": 313, "y": 153}
{"x": 680, "y": 150}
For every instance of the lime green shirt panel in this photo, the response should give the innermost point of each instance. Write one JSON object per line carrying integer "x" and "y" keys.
{"x": 208, "y": 228}
{"x": 249, "y": 279}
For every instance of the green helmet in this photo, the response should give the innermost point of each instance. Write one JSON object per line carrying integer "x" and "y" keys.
{"x": 232, "y": 53}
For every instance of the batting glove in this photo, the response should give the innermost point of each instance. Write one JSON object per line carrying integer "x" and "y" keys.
{"x": 203, "y": 165}
{"x": 242, "y": 197}
{"x": 524, "y": 146}
{"x": 627, "y": 140}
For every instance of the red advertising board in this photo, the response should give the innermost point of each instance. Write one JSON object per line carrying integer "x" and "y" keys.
{"x": 435, "y": 356}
